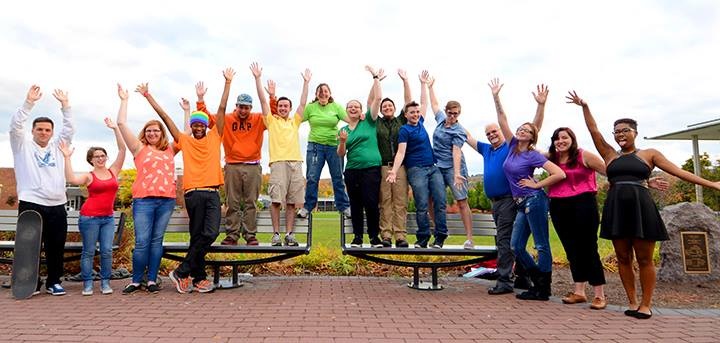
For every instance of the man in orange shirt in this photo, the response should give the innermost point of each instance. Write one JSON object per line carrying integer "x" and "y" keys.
{"x": 201, "y": 182}
{"x": 242, "y": 141}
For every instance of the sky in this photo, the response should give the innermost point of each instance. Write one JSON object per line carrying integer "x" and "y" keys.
{"x": 654, "y": 61}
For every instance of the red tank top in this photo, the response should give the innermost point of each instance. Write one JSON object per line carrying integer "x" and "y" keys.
{"x": 101, "y": 197}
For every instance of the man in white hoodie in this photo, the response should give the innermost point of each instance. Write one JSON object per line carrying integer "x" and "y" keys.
{"x": 40, "y": 175}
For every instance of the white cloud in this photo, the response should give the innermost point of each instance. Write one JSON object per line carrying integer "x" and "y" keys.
{"x": 653, "y": 61}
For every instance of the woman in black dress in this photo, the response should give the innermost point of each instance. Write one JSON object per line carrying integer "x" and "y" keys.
{"x": 630, "y": 218}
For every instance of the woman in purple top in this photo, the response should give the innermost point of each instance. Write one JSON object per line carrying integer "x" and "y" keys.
{"x": 532, "y": 203}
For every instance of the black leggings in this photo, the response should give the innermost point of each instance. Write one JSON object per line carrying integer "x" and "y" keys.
{"x": 363, "y": 187}
{"x": 576, "y": 222}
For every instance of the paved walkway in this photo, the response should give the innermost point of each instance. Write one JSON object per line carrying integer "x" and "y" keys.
{"x": 334, "y": 309}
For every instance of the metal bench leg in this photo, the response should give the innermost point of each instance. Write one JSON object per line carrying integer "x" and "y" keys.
{"x": 231, "y": 282}
{"x": 425, "y": 286}
{"x": 216, "y": 275}
{"x": 415, "y": 284}
{"x": 435, "y": 285}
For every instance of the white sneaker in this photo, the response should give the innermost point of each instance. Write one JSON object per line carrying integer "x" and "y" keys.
{"x": 302, "y": 213}
{"x": 347, "y": 213}
{"x": 469, "y": 245}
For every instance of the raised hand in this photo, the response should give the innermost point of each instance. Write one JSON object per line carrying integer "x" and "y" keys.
{"x": 142, "y": 88}
{"x": 256, "y": 69}
{"x": 381, "y": 74}
{"x": 371, "y": 70}
{"x": 122, "y": 93}
{"x": 342, "y": 136}
{"x": 61, "y": 96}
{"x": 425, "y": 77}
{"x": 185, "y": 104}
{"x": 402, "y": 74}
{"x": 542, "y": 93}
{"x": 228, "y": 73}
{"x": 66, "y": 150}
{"x": 200, "y": 89}
{"x": 306, "y": 75}
{"x": 33, "y": 94}
{"x": 495, "y": 86}
{"x": 270, "y": 89}
{"x": 431, "y": 82}
{"x": 573, "y": 98}
{"x": 110, "y": 124}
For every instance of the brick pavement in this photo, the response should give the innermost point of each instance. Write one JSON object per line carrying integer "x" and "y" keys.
{"x": 334, "y": 309}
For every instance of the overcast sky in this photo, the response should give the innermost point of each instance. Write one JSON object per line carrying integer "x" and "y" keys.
{"x": 655, "y": 61}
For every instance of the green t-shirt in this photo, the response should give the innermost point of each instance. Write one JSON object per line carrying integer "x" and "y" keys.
{"x": 323, "y": 122}
{"x": 362, "y": 146}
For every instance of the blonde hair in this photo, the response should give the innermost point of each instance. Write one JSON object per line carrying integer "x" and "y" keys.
{"x": 163, "y": 144}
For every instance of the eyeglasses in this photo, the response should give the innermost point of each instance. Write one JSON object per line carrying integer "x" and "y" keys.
{"x": 152, "y": 130}
{"x": 522, "y": 129}
{"x": 100, "y": 157}
{"x": 453, "y": 114}
{"x": 623, "y": 131}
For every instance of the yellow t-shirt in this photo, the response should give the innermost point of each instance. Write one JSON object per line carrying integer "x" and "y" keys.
{"x": 201, "y": 160}
{"x": 284, "y": 138}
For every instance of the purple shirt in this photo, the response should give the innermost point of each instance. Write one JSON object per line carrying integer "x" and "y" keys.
{"x": 522, "y": 165}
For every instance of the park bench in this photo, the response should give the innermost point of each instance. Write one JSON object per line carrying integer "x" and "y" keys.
{"x": 73, "y": 250}
{"x": 483, "y": 225}
{"x": 263, "y": 253}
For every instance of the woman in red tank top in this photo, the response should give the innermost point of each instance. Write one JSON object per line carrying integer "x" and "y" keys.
{"x": 96, "y": 221}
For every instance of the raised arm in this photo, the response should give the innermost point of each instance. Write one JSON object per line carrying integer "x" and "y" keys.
{"x": 68, "y": 130}
{"x": 70, "y": 176}
{"x": 228, "y": 74}
{"x": 185, "y": 105}
{"x": 540, "y": 98}
{"x": 407, "y": 93}
{"x": 306, "y": 75}
{"x": 17, "y": 124}
{"x": 116, "y": 167}
{"x": 603, "y": 147}
{"x": 471, "y": 141}
{"x": 495, "y": 87}
{"x": 132, "y": 142}
{"x": 433, "y": 99}
{"x": 257, "y": 73}
{"x": 663, "y": 163}
{"x": 145, "y": 91}
{"x": 373, "y": 101}
{"x": 342, "y": 138}
{"x": 424, "y": 80}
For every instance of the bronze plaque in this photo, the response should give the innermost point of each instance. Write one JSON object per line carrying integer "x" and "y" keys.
{"x": 696, "y": 256}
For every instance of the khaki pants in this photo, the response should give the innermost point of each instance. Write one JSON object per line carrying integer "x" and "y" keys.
{"x": 242, "y": 188}
{"x": 393, "y": 204}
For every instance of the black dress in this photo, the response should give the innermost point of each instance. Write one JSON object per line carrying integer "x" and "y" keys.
{"x": 629, "y": 211}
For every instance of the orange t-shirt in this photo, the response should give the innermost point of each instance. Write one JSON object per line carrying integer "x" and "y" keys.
{"x": 242, "y": 138}
{"x": 155, "y": 173}
{"x": 201, "y": 160}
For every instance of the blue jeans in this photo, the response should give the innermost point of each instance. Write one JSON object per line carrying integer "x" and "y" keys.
{"x": 151, "y": 216}
{"x": 532, "y": 217}
{"x": 317, "y": 155}
{"x": 92, "y": 230}
{"x": 426, "y": 182}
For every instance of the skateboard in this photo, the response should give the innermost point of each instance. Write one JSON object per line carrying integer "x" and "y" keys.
{"x": 26, "y": 258}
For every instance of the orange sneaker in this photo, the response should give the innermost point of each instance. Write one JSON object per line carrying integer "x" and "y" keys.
{"x": 204, "y": 286}
{"x": 181, "y": 284}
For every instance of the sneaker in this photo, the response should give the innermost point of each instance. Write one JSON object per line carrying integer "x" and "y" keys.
{"x": 375, "y": 242}
{"x": 422, "y": 243}
{"x": 37, "y": 289}
{"x": 252, "y": 241}
{"x": 401, "y": 243}
{"x": 386, "y": 242}
{"x": 229, "y": 241}
{"x": 346, "y": 213}
{"x": 438, "y": 243}
{"x": 105, "y": 287}
{"x": 87, "y": 288}
{"x": 469, "y": 245}
{"x": 276, "y": 242}
{"x": 290, "y": 240}
{"x": 204, "y": 286}
{"x": 131, "y": 288}
{"x": 302, "y": 213}
{"x": 357, "y": 242}
{"x": 152, "y": 288}
{"x": 182, "y": 284}
{"x": 55, "y": 289}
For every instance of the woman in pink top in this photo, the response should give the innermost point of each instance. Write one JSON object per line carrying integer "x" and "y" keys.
{"x": 96, "y": 221}
{"x": 574, "y": 213}
{"x": 153, "y": 195}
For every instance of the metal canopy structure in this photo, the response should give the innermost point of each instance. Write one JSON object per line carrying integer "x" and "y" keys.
{"x": 707, "y": 130}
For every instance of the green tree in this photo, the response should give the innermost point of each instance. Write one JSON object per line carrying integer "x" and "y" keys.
{"x": 124, "y": 195}
{"x": 708, "y": 170}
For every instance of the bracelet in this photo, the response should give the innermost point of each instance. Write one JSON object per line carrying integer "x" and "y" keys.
{"x": 375, "y": 76}
{"x": 146, "y": 94}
